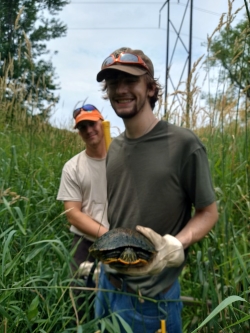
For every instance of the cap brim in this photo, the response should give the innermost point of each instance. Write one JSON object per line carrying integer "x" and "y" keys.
{"x": 84, "y": 117}
{"x": 133, "y": 70}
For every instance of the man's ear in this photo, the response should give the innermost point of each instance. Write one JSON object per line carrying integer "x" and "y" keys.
{"x": 151, "y": 90}
{"x": 79, "y": 132}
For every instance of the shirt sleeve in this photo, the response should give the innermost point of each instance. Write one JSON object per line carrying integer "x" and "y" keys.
{"x": 69, "y": 189}
{"x": 196, "y": 179}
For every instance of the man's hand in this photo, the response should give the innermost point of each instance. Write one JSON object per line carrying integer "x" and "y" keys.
{"x": 170, "y": 253}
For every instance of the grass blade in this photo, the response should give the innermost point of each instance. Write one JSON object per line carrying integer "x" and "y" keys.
{"x": 219, "y": 308}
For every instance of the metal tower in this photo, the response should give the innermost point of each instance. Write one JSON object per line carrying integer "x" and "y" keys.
{"x": 172, "y": 41}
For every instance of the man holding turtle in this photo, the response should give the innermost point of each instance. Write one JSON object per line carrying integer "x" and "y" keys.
{"x": 156, "y": 174}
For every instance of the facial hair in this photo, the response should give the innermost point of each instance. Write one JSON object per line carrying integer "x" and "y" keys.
{"x": 128, "y": 115}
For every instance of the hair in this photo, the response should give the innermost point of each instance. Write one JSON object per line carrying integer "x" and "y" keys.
{"x": 151, "y": 83}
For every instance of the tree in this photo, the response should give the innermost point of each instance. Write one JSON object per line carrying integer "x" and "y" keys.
{"x": 25, "y": 27}
{"x": 231, "y": 49}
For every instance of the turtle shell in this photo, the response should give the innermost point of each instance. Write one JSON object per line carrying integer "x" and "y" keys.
{"x": 123, "y": 246}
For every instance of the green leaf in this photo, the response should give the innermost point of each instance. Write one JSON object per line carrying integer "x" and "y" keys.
{"x": 34, "y": 253}
{"x": 33, "y": 309}
{"x": 4, "y": 313}
{"x": 115, "y": 323}
{"x": 242, "y": 320}
{"x": 7, "y": 205}
{"x": 6, "y": 250}
{"x": 6, "y": 232}
{"x": 219, "y": 308}
{"x": 242, "y": 263}
{"x": 125, "y": 325}
{"x": 79, "y": 329}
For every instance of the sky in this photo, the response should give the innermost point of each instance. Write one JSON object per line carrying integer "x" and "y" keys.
{"x": 97, "y": 28}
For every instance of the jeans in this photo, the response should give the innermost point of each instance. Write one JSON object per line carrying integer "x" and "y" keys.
{"x": 142, "y": 316}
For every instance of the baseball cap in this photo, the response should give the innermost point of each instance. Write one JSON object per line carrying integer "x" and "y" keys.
{"x": 133, "y": 68}
{"x": 86, "y": 112}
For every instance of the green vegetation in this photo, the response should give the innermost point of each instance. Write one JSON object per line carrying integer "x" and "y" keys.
{"x": 230, "y": 49}
{"x": 35, "y": 254}
{"x": 35, "y": 240}
{"x": 219, "y": 267}
{"x": 25, "y": 28}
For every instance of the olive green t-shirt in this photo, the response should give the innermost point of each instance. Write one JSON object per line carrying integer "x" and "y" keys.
{"x": 154, "y": 181}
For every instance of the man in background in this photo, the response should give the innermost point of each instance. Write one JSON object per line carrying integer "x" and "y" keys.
{"x": 83, "y": 188}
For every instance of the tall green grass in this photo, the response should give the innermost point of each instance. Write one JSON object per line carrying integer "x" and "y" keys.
{"x": 35, "y": 240}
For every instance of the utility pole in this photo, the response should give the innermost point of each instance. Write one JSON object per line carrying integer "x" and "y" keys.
{"x": 170, "y": 53}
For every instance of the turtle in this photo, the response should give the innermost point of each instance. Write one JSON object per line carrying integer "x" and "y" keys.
{"x": 123, "y": 246}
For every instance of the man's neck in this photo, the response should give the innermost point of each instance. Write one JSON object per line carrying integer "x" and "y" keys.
{"x": 96, "y": 151}
{"x": 140, "y": 125}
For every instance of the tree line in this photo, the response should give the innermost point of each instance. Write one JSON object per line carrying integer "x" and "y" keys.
{"x": 25, "y": 28}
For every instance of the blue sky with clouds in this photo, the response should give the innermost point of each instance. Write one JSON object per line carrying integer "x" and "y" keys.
{"x": 96, "y": 28}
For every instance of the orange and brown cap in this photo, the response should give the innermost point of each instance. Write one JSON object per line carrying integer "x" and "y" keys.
{"x": 86, "y": 112}
{"x": 133, "y": 62}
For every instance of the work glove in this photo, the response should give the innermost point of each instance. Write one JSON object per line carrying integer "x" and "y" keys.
{"x": 170, "y": 253}
{"x": 85, "y": 269}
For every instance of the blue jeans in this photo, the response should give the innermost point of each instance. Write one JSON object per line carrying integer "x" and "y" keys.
{"x": 142, "y": 317}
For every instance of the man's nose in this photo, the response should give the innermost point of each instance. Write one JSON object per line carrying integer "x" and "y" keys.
{"x": 88, "y": 127}
{"x": 121, "y": 87}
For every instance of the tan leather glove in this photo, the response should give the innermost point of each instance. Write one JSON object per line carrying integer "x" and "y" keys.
{"x": 85, "y": 268}
{"x": 170, "y": 253}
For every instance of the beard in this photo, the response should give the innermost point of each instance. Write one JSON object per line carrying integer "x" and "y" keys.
{"x": 131, "y": 113}
{"x": 127, "y": 115}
